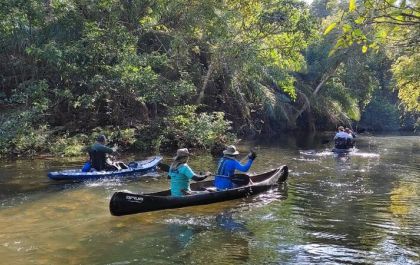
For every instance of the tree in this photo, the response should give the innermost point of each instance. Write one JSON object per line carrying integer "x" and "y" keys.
{"x": 394, "y": 25}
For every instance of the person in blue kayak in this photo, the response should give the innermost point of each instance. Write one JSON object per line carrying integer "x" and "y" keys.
{"x": 181, "y": 174}
{"x": 227, "y": 166}
{"x": 98, "y": 155}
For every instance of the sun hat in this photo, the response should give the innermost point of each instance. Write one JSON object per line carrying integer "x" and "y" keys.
{"x": 340, "y": 128}
{"x": 183, "y": 152}
{"x": 231, "y": 150}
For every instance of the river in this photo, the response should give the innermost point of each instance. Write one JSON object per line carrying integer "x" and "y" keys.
{"x": 358, "y": 209}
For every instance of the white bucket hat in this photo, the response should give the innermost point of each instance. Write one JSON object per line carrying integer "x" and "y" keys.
{"x": 231, "y": 150}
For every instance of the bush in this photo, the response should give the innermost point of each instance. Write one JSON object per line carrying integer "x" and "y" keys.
{"x": 201, "y": 130}
{"x": 68, "y": 146}
{"x": 20, "y": 135}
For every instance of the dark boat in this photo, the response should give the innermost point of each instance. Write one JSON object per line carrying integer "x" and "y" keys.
{"x": 134, "y": 168}
{"x": 342, "y": 150}
{"x": 123, "y": 203}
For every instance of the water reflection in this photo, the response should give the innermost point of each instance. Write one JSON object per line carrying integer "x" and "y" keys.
{"x": 183, "y": 234}
{"x": 227, "y": 222}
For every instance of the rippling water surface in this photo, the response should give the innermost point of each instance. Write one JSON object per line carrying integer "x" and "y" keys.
{"x": 363, "y": 208}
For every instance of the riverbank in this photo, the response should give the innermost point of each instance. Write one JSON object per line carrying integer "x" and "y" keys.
{"x": 44, "y": 143}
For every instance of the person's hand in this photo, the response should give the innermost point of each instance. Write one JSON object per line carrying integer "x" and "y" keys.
{"x": 206, "y": 174}
{"x": 252, "y": 155}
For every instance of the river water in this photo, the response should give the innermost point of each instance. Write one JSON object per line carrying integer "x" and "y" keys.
{"x": 358, "y": 209}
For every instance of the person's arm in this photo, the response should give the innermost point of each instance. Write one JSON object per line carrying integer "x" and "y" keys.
{"x": 247, "y": 166}
{"x": 187, "y": 171}
{"x": 105, "y": 149}
{"x": 199, "y": 177}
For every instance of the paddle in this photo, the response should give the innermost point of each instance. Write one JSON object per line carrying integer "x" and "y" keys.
{"x": 241, "y": 179}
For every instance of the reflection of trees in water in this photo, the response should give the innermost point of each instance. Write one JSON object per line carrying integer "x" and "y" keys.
{"x": 403, "y": 207}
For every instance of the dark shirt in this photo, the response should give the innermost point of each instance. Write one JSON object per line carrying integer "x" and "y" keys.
{"x": 97, "y": 153}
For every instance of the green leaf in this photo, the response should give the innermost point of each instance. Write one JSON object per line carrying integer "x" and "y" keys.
{"x": 364, "y": 49}
{"x": 352, "y": 5}
{"x": 359, "y": 20}
{"x": 347, "y": 28}
{"x": 357, "y": 33}
{"x": 330, "y": 27}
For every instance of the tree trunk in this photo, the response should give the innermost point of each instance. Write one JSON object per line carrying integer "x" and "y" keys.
{"x": 48, "y": 10}
{"x": 326, "y": 76}
{"x": 307, "y": 102}
{"x": 205, "y": 82}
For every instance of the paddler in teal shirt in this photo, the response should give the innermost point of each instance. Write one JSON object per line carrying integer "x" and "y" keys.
{"x": 181, "y": 174}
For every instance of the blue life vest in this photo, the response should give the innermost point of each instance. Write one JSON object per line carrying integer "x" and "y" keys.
{"x": 226, "y": 170}
{"x": 86, "y": 167}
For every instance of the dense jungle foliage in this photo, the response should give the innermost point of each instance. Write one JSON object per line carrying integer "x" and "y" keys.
{"x": 168, "y": 73}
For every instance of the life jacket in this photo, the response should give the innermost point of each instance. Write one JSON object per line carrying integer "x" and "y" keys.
{"x": 221, "y": 168}
{"x": 222, "y": 180}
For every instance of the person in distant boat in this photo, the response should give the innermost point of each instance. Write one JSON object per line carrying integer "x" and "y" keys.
{"x": 350, "y": 139}
{"x": 181, "y": 174}
{"x": 227, "y": 166}
{"x": 340, "y": 138}
{"x": 350, "y": 132}
{"x": 98, "y": 156}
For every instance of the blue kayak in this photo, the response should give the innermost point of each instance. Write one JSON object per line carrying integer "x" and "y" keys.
{"x": 134, "y": 168}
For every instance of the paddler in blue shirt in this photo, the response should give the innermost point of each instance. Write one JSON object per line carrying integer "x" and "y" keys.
{"x": 181, "y": 174}
{"x": 227, "y": 166}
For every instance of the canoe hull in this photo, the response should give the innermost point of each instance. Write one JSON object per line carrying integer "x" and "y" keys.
{"x": 123, "y": 203}
{"x": 141, "y": 167}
